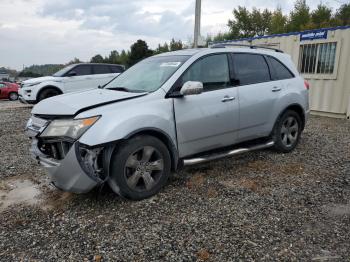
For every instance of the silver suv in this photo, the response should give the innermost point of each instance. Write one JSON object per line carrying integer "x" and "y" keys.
{"x": 174, "y": 109}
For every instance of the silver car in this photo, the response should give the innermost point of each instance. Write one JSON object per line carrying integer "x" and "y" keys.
{"x": 170, "y": 110}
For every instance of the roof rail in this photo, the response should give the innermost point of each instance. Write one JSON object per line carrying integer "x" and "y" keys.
{"x": 224, "y": 45}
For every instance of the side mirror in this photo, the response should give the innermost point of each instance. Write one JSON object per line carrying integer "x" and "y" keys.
{"x": 191, "y": 88}
{"x": 72, "y": 73}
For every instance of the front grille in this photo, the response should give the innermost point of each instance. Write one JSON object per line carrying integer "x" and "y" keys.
{"x": 54, "y": 149}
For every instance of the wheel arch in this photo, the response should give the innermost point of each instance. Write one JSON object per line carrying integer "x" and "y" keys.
{"x": 47, "y": 87}
{"x": 296, "y": 108}
{"x": 162, "y": 136}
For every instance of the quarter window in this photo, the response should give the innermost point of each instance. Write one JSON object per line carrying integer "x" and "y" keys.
{"x": 278, "y": 70}
{"x": 2, "y": 85}
{"x": 250, "y": 69}
{"x": 317, "y": 58}
{"x": 212, "y": 71}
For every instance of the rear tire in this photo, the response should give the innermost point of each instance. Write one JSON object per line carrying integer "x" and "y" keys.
{"x": 48, "y": 92}
{"x": 13, "y": 96}
{"x": 287, "y": 131}
{"x": 139, "y": 167}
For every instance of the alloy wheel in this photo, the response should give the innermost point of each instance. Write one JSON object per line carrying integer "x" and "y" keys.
{"x": 144, "y": 168}
{"x": 289, "y": 131}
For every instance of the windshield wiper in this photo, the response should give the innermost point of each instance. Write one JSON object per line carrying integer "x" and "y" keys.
{"x": 124, "y": 89}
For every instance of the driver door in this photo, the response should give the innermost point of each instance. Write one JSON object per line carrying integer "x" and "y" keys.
{"x": 208, "y": 120}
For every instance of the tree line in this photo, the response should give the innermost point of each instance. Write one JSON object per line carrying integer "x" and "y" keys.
{"x": 257, "y": 22}
{"x": 138, "y": 51}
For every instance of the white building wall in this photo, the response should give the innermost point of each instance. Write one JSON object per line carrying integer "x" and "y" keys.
{"x": 329, "y": 94}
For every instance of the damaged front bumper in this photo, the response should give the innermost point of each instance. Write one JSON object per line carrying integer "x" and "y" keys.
{"x": 75, "y": 170}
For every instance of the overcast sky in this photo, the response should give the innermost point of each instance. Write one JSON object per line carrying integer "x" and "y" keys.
{"x": 56, "y": 31}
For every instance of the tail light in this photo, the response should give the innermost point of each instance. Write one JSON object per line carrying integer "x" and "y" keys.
{"x": 307, "y": 85}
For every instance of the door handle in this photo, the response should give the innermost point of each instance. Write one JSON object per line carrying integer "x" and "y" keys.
{"x": 227, "y": 99}
{"x": 276, "y": 89}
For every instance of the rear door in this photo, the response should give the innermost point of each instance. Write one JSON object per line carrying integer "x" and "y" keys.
{"x": 102, "y": 74}
{"x": 83, "y": 80}
{"x": 208, "y": 120}
{"x": 257, "y": 94}
{"x": 280, "y": 74}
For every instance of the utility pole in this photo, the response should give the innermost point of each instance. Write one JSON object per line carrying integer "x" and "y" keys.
{"x": 197, "y": 23}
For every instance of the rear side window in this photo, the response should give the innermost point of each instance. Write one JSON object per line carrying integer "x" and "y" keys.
{"x": 101, "y": 69}
{"x": 278, "y": 70}
{"x": 250, "y": 69}
{"x": 116, "y": 69}
{"x": 82, "y": 70}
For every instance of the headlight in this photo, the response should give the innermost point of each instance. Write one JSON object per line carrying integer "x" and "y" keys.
{"x": 72, "y": 128}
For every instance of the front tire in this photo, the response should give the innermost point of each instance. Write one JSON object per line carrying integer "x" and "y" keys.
{"x": 48, "y": 92}
{"x": 139, "y": 167}
{"x": 287, "y": 131}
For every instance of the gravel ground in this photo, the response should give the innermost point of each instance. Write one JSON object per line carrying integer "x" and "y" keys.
{"x": 261, "y": 206}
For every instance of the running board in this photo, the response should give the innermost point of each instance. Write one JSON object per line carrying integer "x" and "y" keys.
{"x": 199, "y": 160}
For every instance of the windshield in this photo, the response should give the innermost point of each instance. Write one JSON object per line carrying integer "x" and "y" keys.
{"x": 147, "y": 75}
{"x": 63, "y": 71}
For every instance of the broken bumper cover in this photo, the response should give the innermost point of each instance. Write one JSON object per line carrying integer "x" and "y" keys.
{"x": 68, "y": 174}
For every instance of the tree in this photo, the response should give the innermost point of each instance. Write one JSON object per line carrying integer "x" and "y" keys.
{"x": 97, "y": 59}
{"x": 260, "y": 21}
{"x": 241, "y": 25}
{"x": 248, "y": 24}
{"x": 113, "y": 57}
{"x": 138, "y": 51}
{"x": 162, "y": 48}
{"x": 299, "y": 16}
{"x": 124, "y": 57}
{"x": 175, "y": 45}
{"x": 343, "y": 15}
{"x": 74, "y": 61}
{"x": 278, "y": 22}
{"x": 321, "y": 16}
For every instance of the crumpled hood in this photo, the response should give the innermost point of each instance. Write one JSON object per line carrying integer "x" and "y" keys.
{"x": 74, "y": 103}
{"x": 40, "y": 79}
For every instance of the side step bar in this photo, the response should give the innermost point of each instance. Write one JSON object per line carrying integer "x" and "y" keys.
{"x": 199, "y": 160}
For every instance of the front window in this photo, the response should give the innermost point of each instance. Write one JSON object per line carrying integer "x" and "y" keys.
{"x": 148, "y": 75}
{"x": 212, "y": 71}
{"x": 63, "y": 71}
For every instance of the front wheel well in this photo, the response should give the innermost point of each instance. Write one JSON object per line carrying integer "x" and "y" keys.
{"x": 46, "y": 88}
{"x": 165, "y": 139}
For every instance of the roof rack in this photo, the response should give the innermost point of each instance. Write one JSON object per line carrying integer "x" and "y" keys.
{"x": 224, "y": 45}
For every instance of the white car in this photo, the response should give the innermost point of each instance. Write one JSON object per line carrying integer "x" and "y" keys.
{"x": 73, "y": 78}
